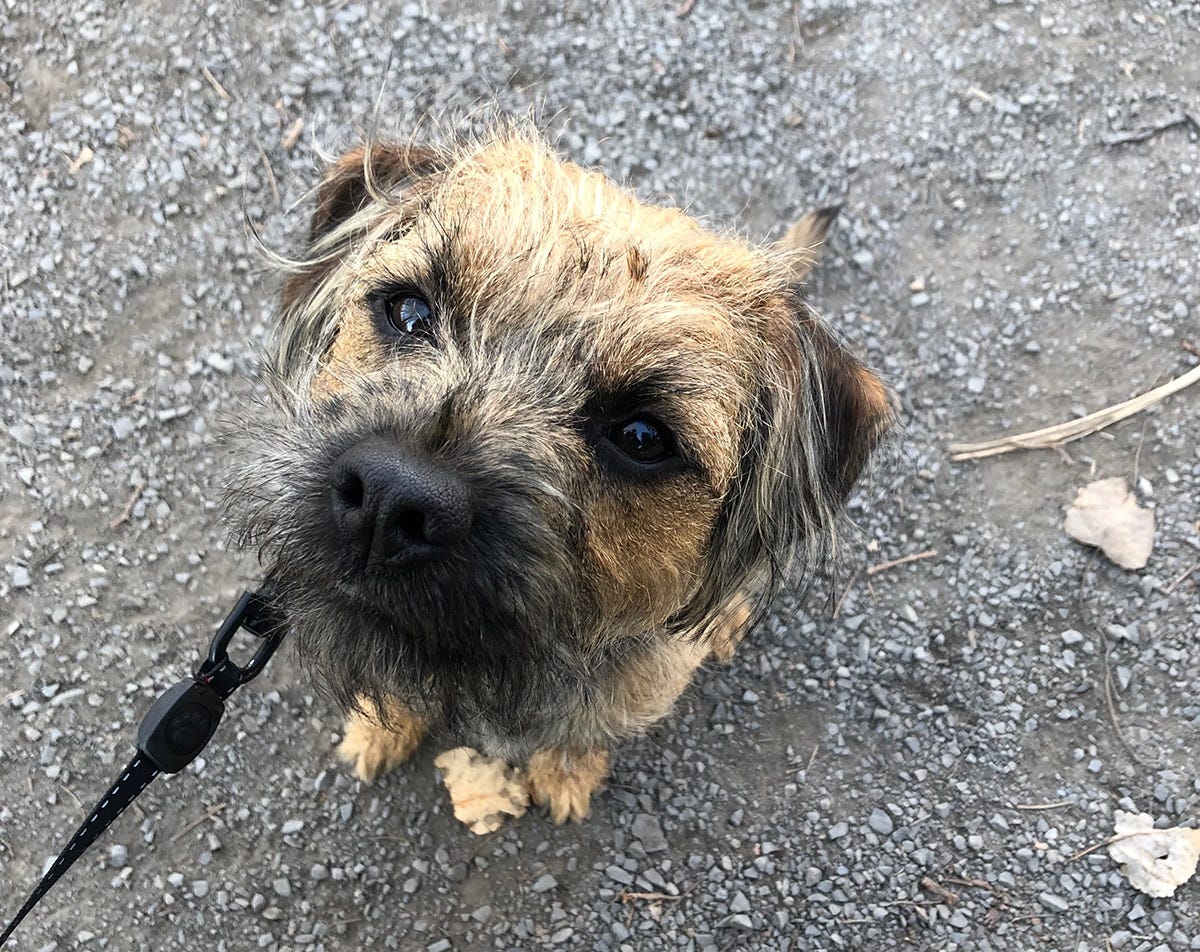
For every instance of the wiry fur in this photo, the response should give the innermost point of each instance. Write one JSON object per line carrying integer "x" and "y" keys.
{"x": 587, "y": 594}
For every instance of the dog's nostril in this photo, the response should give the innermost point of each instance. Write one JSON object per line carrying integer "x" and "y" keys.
{"x": 410, "y": 523}
{"x": 351, "y": 491}
{"x": 393, "y": 506}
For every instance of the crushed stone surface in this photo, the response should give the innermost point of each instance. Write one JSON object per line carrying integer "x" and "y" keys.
{"x": 909, "y": 759}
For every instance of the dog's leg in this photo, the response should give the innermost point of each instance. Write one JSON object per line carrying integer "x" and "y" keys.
{"x": 565, "y": 780}
{"x": 729, "y": 631}
{"x": 373, "y": 745}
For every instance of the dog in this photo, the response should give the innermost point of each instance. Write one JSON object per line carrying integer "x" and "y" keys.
{"x": 536, "y": 450}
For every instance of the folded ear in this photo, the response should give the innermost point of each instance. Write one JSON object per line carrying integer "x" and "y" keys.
{"x": 827, "y": 413}
{"x": 815, "y": 418}
{"x": 364, "y": 175}
{"x": 363, "y": 181}
{"x": 847, "y": 405}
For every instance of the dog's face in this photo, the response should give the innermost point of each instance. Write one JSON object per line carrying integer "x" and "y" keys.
{"x": 526, "y": 418}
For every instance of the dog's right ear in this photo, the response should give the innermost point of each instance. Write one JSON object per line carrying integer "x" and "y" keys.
{"x": 364, "y": 175}
{"x": 381, "y": 175}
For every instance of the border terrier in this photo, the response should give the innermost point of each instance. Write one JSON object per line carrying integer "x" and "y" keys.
{"x": 535, "y": 450}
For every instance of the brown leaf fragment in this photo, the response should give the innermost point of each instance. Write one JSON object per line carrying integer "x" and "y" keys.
{"x": 1156, "y": 862}
{"x": 292, "y": 136}
{"x": 482, "y": 789}
{"x": 1106, "y": 515}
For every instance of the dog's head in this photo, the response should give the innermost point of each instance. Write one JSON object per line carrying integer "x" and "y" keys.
{"x": 526, "y": 417}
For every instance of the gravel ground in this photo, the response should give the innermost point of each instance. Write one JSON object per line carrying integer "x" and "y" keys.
{"x": 999, "y": 261}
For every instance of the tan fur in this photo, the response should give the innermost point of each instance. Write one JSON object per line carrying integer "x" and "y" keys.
{"x": 804, "y": 242}
{"x": 555, "y": 270}
{"x": 374, "y": 743}
{"x": 734, "y": 623}
{"x": 564, "y": 781}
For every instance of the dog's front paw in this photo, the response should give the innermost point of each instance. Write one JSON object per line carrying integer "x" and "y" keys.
{"x": 374, "y": 745}
{"x": 566, "y": 781}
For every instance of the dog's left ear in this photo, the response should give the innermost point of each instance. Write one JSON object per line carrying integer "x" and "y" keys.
{"x": 814, "y": 421}
{"x": 841, "y": 407}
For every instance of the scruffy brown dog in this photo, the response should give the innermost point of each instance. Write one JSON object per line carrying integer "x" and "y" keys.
{"x": 538, "y": 450}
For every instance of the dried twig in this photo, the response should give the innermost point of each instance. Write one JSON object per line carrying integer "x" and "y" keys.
{"x": 1190, "y": 347}
{"x": 650, "y": 896}
{"x": 1050, "y": 436}
{"x": 129, "y": 504}
{"x": 196, "y": 822}
{"x": 217, "y": 87}
{"x": 684, "y": 8}
{"x": 1142, "y": 133}
{"x": 1112, "y": 839}
{"x": 292, "y": 136}
{"x": 837, "y": 609}
{"x": 1110, "y": 690}
{"x": 270, "y": 174}
{"x": 903, "y": 560}
{"x": 932, "y": 886}
{"x": 978, "y": 884}
{"x": 1170, "y": 589}
{"x": 1042, "y": 806}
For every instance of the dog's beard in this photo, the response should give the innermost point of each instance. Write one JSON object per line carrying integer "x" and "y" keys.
{"x": 492, "y": 632}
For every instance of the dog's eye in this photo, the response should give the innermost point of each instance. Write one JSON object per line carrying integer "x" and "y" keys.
{"x": 643, "y": 439}
{"x": 410, "y": 314}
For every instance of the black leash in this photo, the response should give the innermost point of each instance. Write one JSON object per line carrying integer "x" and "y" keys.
{"x": 175, "y": 729}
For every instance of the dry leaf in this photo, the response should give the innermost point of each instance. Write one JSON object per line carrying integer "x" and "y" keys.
{"x": 85, "y": 156}
{"x": 1105, "y": 514}
{"x": 483, "y": 789}
{"x": 1155, "y": 861}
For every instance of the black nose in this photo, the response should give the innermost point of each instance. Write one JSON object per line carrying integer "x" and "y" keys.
{"x": 395, "y": 507}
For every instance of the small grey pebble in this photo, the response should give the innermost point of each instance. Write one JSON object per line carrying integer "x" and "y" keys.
{"x": 880, "y": 822}
{"x": 649, "y": 831}
{"x": 619, "y": 875}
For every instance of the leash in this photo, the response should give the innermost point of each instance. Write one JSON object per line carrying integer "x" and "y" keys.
{"x": 174, "y": 731}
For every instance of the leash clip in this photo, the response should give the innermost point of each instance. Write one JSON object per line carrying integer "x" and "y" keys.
{"x": 252, "y": 612}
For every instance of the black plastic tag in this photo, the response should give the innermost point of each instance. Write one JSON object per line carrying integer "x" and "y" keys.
{"x": 179, "y": 724}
